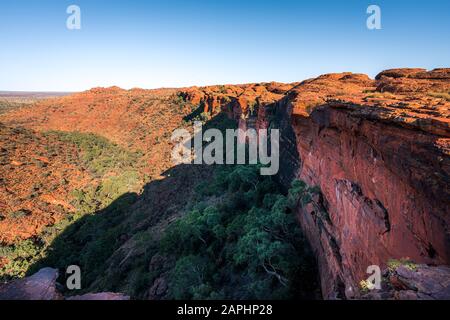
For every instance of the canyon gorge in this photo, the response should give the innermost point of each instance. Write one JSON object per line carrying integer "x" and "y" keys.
{"x": 377, "y": 149}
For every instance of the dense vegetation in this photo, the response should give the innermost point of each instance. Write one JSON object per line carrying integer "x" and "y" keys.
{"x": 99, "y": 154}
{"x": 116, "y": 168}
{"x": 244, "y": 245}
{"x": 238, "y": 240}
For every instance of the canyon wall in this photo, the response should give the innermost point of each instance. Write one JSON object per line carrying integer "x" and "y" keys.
{"x": 378, "y": 150}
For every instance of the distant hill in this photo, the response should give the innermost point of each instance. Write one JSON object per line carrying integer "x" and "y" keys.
{"x": 29, "y": 96}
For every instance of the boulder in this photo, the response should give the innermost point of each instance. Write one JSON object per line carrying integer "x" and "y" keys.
{"x": 43, "y": 286}
{"x": 40, "y": 286}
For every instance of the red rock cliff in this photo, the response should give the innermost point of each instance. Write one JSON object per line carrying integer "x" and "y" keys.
{"x": 379, "y": 151}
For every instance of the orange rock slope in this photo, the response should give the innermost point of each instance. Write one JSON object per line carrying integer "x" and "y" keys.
{"x": 379, "y": 151}
{"x": 129, "y": 118}
{"x": 135, "y": 119}
{"x": 37, "y": 174}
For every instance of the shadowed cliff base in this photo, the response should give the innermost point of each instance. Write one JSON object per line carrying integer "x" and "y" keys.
{"x": 218, "y": 246}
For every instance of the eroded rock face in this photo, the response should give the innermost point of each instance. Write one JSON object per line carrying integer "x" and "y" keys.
{"x": 383, "y": 168}
{"x": 379, "y": 151}
{"x": 383, "y": 198}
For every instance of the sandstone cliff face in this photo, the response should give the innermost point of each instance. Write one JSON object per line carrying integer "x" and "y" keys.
{"x": 379, "y": 151}
{"x": 384, "y": 178}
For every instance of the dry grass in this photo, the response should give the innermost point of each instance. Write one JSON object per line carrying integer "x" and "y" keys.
{"x": 441, "y": 95}
{"x": 381, "y": 95}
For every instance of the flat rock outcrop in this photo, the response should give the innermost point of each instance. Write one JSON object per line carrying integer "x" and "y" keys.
{"x": 43, "y": 286}
{"x": 413, "y": 282}
{"x": 40, "y": 286}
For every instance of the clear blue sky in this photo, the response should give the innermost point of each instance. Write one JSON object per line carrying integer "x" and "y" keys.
{"x": 176, "y": 43}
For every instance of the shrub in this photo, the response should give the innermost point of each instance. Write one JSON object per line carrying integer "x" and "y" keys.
{"x": 99, "y": 154}
{"x": 393, "y": 264}
{"x": 20, "y": 214}
{"x": 21, "y": 256}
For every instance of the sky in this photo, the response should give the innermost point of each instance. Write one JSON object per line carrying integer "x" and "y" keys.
{"x": 177, "y": 43}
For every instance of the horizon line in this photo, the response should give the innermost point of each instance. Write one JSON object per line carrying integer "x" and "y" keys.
{"x": 3, "y": 91}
